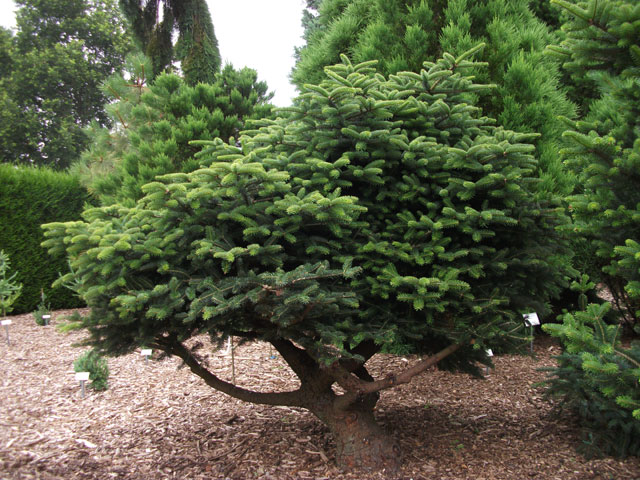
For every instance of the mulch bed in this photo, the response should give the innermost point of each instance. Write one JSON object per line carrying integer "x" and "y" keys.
{"x": 159, "y": 421}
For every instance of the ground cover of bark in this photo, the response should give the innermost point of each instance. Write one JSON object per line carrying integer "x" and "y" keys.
{"x": 157, "y": 421}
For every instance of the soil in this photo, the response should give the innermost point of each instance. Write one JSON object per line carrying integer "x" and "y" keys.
{"x": 159, "y": 421}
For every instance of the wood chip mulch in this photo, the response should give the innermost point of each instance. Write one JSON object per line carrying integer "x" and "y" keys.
{"x": 158, "y": 421}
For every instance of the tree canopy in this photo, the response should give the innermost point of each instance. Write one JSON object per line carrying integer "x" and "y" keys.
{"x": 378, "y": 213}
{"x": 51, "y": 75}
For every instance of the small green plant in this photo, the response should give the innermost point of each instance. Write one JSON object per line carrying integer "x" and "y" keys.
{"x": 598, "y": 378}
{"x": 9, "y": 289}
{"x": 96, "y": 365}
{"x": 43, "y": 309}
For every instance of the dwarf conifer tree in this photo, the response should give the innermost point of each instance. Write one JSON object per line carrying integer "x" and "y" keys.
{"x": 378, "y": 213}
{"x": 155, "y": 123}
{"x": 603, "y": 45}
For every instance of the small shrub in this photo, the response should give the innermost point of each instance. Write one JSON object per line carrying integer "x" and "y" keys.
{"x": 43, "y": 309}
{"x": 97, "y": 367}
{"x": 598, "y": 379}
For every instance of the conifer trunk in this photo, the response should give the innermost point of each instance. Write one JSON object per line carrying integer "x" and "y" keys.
{"x": 360, "y": 441}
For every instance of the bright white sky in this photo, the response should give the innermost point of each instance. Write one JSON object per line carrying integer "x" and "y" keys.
{"x": 253, "y": 33}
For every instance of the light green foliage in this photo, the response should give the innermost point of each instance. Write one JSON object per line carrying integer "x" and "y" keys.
{"x": 155, "y": 123}
{"x": 9, "y": 289}
{"x": 97, "y": 367}
{"x": 603, "y": 44}
{"x": 402, "y": 35}
{"x": 154, "y": 25}
{"x": 50, "y": 83}
{"x": 383, "y": 210}
{"x": 599, "y": 379}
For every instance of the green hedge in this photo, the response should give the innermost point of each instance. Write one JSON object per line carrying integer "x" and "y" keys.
{"x": 30, "y": 197}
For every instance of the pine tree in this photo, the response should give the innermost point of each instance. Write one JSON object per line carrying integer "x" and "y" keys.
{"x": 154, "y": 23}
{"x": 155, "y": 123}
{"x": 402, "y": 35}
{"x": 378, "y": 213}
{"x": 603, "y": 45}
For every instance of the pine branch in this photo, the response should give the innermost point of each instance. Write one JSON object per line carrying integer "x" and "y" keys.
{"x": 357, "y": 388}
{"x": 174, "y": 347}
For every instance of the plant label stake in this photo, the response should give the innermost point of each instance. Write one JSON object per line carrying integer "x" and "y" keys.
{"x": 46, "y": 319}
{"x": 489, "y": 354}
{"x": 233, "y": 360}
{"x": 531, "y": 320}
{"x": 82, "y": 377}
{"x": 6, "y": 324}
{"x": 146, "y": 353}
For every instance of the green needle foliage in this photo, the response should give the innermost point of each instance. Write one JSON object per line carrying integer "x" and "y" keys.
{"x": 598, "y": 379}
{"x": 154, "y": 24}
{"x": 97, "y": 367}
{"x": 9, "y": 289}
{"x": 376, "y": 213}
{"x": 154, "y": 124}
{"x": 401, "y": 35}
{"x": 603, "y": 45}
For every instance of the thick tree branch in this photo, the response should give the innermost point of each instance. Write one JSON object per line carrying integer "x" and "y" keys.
{"x": 356, "y": 387}
{"x": 290, "y": 399}
{"x": 300, "y": 361}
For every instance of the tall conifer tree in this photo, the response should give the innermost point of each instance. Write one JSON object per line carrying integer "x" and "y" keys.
{"x": 154, "y": 23}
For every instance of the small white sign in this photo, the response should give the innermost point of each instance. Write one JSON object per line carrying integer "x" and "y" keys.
{"x": 6, "y": 322}
{"x": 489, "y": 353}
{"x": 146, "y": 352}
{"x": 46, "y": 316}
{"x": 82, "y": 376}
{"x": 531, "y": 319}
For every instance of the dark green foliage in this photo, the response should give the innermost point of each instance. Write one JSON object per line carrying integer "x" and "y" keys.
{"x": 603, "y": 45}
{"x": 50, "y": 83}
{"x": 382, "y": 212}
{"x": 97, "y": 367}
{"x": 9, "y": 289}
{"x": 30, "y": 197}
{"x": 156, "y": 123}
{"x": 154, "y": 23}
{"x": 402, "y": 35}
{"x": 598, "y": 379}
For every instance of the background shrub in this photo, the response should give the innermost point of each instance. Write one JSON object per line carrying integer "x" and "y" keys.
{"x": 597, "y": 378}
{"x": 30, "y": 197}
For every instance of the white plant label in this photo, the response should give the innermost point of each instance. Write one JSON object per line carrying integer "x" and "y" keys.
{"x": 531, "y": 319}
{"x": 489, "y": 353}
{"x": 6, "y": 322}
{"x": 46, "y": 316}
{"x": 82, "y": 376}
{"x": 146, "y": 352}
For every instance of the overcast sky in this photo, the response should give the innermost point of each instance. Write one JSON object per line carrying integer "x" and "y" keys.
{"x": 255, "y": 33}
